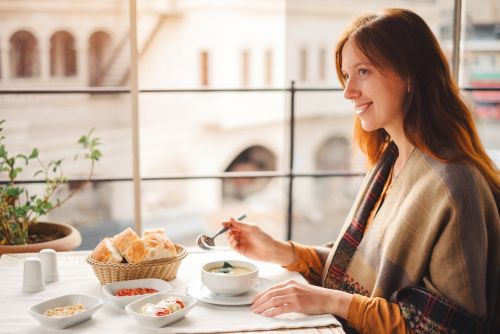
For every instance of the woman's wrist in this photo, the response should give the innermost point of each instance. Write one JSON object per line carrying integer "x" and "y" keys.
{"x": 341, "y": 303}
{"x": 283, "y": 254}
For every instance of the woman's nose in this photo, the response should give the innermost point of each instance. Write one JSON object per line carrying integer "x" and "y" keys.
{"x": 350, "y": 90}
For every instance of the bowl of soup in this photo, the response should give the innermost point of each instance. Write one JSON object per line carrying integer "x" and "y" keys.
{"x": 230, "y": 277}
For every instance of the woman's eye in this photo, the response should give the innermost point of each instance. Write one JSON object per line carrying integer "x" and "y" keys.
{"x": 363, "y": 72}
{"x": 346, "y": 76}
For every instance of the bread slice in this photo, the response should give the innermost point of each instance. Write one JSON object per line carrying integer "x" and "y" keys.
{"x": 106, "y": 252}
{"x": 158, "y": 246}
{"x": 136, "y": 252}
{"x": 124, "y": 240}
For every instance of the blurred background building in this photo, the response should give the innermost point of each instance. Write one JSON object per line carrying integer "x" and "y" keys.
{"x": 214, "y": 92}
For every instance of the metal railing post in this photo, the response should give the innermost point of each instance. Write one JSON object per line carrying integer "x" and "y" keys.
{"x": 290, "y": 166}
{"x": 456, "y": 48}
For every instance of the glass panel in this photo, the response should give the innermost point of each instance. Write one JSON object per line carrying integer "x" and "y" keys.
{"x": 480, "y": 68}
{"x": 321, "y": 206}
{"x": 323, "y": 133}
{"x": 325, "y": 120}
{"x": 199, "y": 44}
{"x": 186, "y": 208}
{"x": 64, "y": 43}
{"x": 312, "y": 26}
{"x": 99, "y": 210}
{"x": 193, "y": 133}
{"x": 53, "y": 124}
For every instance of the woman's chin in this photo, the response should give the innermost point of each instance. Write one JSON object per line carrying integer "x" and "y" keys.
{"x": 368, "y": 127}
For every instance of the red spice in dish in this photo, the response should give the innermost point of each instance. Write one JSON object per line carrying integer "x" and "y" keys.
{"x": 134, "y": 292}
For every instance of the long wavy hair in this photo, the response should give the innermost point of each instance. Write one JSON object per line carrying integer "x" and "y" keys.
{"x": 436, "y": 119}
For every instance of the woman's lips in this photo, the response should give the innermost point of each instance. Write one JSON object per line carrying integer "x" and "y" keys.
{"x": 361, "y": 108}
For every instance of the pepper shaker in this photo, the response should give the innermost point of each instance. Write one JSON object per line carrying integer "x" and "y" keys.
{"x": 49, "y": 265}
{"x": 32, "y": 277}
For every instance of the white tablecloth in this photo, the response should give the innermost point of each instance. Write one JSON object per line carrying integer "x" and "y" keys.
{"x": 76, "y": 276}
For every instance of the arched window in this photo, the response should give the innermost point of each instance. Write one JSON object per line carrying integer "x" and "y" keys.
{"x": 252, "y": 159}
{"x": 100, "y": 45}
{"x": 23, "y": 55}
{"x": 62, "y": 55}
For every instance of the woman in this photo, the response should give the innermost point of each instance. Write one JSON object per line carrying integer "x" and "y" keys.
{"x": 420, "y": 248}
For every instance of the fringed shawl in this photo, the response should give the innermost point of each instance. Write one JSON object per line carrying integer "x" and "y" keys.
{"x": 433, "y": 246}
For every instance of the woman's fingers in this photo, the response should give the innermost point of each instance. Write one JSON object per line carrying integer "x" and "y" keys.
{"x": 273, "y": 288}
{"x": 277, "y": 305}
{"x": 234, "y": 224}
{"x": 234, "y": 240}
{"x": 281, "y": 289}
{"x": 285, "y": 308}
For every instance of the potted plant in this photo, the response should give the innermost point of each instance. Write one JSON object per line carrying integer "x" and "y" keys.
{"x": 20, "y": 210}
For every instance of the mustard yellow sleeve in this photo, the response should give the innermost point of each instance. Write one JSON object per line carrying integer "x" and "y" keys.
{"x": 375, "y": 315}
{"x": 307, "y": 262}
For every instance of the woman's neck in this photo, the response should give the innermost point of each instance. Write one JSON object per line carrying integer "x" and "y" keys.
{"x": 405, "y": 149}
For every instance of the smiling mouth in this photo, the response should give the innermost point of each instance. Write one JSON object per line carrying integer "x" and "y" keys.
{"x": 362, "y": 107}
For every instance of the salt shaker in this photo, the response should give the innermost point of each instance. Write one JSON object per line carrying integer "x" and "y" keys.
{"x": 49, "y": 265}
{"x": 33, "y": 278}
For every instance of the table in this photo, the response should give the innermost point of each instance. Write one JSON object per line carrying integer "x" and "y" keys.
{"x": 76, "y": 276}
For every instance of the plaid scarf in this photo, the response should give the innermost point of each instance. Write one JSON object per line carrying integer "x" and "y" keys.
{"x": 424, "y": 312}
{"x": 335, "y": 278}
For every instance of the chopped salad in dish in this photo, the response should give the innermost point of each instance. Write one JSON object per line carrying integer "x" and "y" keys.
{"x": 164, "y": 307}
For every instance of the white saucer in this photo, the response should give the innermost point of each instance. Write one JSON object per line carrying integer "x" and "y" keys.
{"x": 202, "y": 293}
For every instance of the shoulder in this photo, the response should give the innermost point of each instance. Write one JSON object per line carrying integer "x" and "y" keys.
{"x": 459, "y": 182}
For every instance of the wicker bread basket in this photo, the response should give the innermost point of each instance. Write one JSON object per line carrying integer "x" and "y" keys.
{"x": 165, "y": 269}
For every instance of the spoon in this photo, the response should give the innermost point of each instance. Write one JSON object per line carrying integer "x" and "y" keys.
{"x": 207, "y": 243}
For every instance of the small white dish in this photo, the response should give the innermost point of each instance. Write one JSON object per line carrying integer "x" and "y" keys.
{"x": 110, "y": 289}
{"x": 202, "y": 293}
{"x": 91, "y": 304}
{"x": 134, "y": 310}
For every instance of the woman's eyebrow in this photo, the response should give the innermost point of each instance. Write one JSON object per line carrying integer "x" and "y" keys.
{"x": 354, "y": 65}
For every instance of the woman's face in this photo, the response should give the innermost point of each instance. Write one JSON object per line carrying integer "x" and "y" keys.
{"x": 377, "y": 95}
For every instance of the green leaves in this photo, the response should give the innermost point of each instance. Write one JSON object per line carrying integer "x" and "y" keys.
{"x": 89, "y": 144}
{"x": 34, "y": 154}
{"x": 14, "y": 172}
{"x": 14, "y": 191}
{"x": 18, "y": 208}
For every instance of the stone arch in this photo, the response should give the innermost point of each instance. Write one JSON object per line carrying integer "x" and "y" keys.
{"x": 62, "y": 54}
{"x": 333, "y": 154}
{"x": 252, "y": 159}
{"x": 24, "y": 59}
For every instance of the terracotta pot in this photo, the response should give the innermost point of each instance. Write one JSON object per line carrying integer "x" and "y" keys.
{"x": 71, "y": 240}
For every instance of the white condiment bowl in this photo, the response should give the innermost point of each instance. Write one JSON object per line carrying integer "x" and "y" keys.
{"x": 110, "y": 289}
{"x": 91, "y": 304}
{"x": 229, "y": 285}
{"x": 134, "y": 310}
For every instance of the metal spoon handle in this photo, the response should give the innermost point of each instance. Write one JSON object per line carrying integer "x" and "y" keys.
{"x": 224, "y": 229}
{"x": 241, "y": 217}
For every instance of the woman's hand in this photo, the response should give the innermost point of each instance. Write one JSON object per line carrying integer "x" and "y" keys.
{"x": 249, "y": 240}
{"x": 292, "y": 296}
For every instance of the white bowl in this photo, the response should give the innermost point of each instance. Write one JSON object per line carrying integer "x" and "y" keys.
{"x": 229, "y": 285}
{"x": 134, "y": 310}
{"x": 92, "y": 304}
{"x": 110, "y": 289}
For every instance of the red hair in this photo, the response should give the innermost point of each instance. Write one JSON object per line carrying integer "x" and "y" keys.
{"x": 436, "y": 119}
